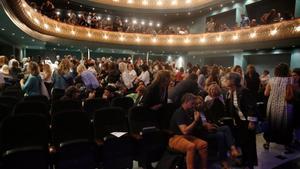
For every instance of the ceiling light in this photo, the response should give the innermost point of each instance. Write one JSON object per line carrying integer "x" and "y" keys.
{"x": 36, "y": 21}
{"x": 203, "y": 40}
{"x": 57, "y": 29}
{"x": 174, "y": 2}
{"x": 143, "y": 22}
{"x": 253, "y": 35}
{"x": 57, "y": 13}
{"x": 219, "y": 38}
{"x": 187, "y": 40}
{"x": 121, "y": 38}
{"x": 130, "y": 1}
{"x": 235, "y": 37}
{"x": 145, "y": 2}
{"x": 73, "y": 32}
{"x": 108, "y": 18}
{"x": 158, "y": 25}
{"x": 138, "y": 39}
{"x": 126, "y": 20}
{"x": 105, "y": 37}
{"x": 99, "y": 17}
{"x": 115, "y": 0}
{"x": 3, "y": 29}
{"x": 69, "y": 14}
{"x": 170, "y": 40}
{"x": 134, "y": 21}
{"x": 46, "y": 26}
{"x": 79, "y": 15}
{"x": 154, "y": 40}
{"x": 273, "y": 32}
{"x": 159, "y": 3}
{"x": 188, "y": 1}
{"x": 150, "y": 24}
{"x": 297, "y": 28}
{"x": 89, "y": 35}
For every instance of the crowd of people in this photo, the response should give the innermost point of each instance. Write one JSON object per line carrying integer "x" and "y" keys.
{"x": 213, "y": 103}
{"x": 106, "y": 22}
{"x": 270, "y": 17}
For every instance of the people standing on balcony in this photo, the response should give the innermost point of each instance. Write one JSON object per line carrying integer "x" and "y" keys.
{"x": 245, "y": 21}
{"x": 211, "y": 25}
{"x": 269, "y": 17}
{"x": 48, "y": 8}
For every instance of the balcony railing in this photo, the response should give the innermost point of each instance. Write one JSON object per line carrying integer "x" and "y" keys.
{"x": 38, "y": 22}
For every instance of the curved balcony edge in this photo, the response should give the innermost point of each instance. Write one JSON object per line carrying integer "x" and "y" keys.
{"x": 49, "y": 28}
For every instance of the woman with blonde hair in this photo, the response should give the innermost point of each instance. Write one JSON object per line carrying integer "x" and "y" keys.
{"x": 87, "y": 77}
{"x": 62, "y": 77}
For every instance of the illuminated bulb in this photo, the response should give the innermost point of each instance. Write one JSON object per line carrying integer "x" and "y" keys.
{"x": 273, "y": 32}
{"x": 154, "y": 40}
{"x": 108, "y": 18}
{"x": 188, "y": 1}
{"x": 159, "y": 3}
{"x": 202, "y": 40}
{"x": 253, "y": 35}
{"x": 170, "y": 40}
{"x": 158, "y": 25}
{"x": 36, "y": 21}
{"x": 57, "y": 13}
{"x": 145, "y": 2}
{"x": 126, "y": 20}
{"x": 121, "y": 38}
{"x": 150, "y": 24}
{"x": 89, "y": 35}
{"x": 105, "y": 37}
{"x": 174, "y": 2}
{"x": 143, "y": 23}
{"x": 79, "y": 15}
{"x": 297, "y": 28}
{"x": 69, "y": 14}
{"x": 115, "y": 0}
{"x": 235, "y": 37}
{"x": 73, "y": 32}
{"x": 57, "y": 29}
{"x": 134, "y": 22}
{"x": 218, "y": 39}
{"x": 46, "y": 26}
{"x": 187, "y": 40}
{"x": 98, "y": 17}
{"x": 138, "y": 39}
{"x": 130, "y": 2}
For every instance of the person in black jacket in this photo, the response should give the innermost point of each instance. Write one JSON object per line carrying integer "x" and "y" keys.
{"x": 241, "y": 106}
{"x": 252, "y": 80}
{"x": 156, "y": 94}
{"x": 186, "y": 86}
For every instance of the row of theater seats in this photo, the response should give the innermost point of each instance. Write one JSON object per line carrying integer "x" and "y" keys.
{"x": 64, "y": 134}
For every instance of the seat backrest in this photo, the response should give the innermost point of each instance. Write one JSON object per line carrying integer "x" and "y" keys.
{"x": 107, "y": 120}
{"x": 31, "y": 107}
{"x": 4, "y": 111}
{"x": 91, "y": 105}
{"x": 40, "y": 98}
{"x": 66, "y": 105}
{"x": 9, "y": 101}
{"x": 57, "y": 94}
{"x": 24, "y": 130}
{"x": 165, "y": 115}
{"x": 124, "y": 102}
{"x": 140, "y": 118}
{"x": 69, "y": 126}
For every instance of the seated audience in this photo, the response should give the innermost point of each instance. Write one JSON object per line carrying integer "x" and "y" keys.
{"x": 184, "y": 123}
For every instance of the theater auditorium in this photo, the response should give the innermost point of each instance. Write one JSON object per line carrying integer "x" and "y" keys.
{"x": 150, "y": 84}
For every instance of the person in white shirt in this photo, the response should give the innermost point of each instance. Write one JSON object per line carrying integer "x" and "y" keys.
{"x": 128, "y": 76}
{"x": 144, "y": 76}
